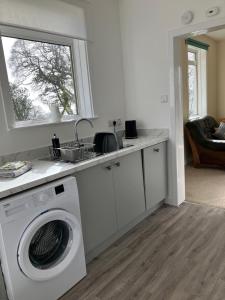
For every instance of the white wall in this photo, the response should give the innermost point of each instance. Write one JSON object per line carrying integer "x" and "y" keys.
{"x": 221, "y": 78}
{"x": 145, "y": 29}
{"x": 105, "y": 60}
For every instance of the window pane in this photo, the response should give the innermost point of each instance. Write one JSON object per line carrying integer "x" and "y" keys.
{"x": 191, "y": 56}
{"x": 40, "y": 76}
{"x": 193, "y": 98}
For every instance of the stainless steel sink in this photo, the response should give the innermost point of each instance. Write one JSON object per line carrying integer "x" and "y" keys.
{"x": 78, "y": 154}
{"x": 68, "y": 159}
{"x": 82, "y": 153}
{"x": 73, "y": 153}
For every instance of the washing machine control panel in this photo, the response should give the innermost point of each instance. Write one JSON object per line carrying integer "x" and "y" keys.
{"x": 42, "y": 199}
{"x": 11, "y": 210}
{"x": 14, "y": 208}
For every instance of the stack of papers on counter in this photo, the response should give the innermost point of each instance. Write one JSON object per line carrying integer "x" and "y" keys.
{"x": 15, "y": 169}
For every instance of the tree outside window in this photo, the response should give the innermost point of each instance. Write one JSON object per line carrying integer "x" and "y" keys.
{"x": 40, "y": 74}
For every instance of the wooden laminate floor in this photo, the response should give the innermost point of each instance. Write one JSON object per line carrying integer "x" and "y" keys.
{"x": 176, "y": 254}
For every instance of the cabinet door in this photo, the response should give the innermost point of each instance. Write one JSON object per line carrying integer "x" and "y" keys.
{"x": 129, "y": 188}
{"x": 97, "y": 202}
{"x": 155, "y": 170}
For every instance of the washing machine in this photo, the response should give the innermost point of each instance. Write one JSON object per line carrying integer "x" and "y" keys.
{"x": 41, "y": 243}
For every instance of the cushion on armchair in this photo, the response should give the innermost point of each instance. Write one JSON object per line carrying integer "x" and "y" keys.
{"x": 220, "y": 132}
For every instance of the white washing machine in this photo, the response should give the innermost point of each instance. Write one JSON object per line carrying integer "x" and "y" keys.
{"x": 41, "y": 243}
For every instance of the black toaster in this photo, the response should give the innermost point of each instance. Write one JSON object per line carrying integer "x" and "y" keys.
{"x": 106, "y": 142}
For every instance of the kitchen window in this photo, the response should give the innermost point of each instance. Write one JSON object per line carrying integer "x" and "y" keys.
{"x": 197, "y": 80}
{"x": 45, "y": 78}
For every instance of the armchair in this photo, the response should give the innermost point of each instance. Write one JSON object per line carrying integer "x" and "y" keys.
{"x": 207, "y": 151}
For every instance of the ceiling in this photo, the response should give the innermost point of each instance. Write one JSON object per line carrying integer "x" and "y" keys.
{"x": 218, "y": 35}
{"x": 76, "y": 1}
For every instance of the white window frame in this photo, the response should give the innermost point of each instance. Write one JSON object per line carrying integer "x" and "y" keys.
{"x": 201, "y": 64}
{"x": 81, "y": 75}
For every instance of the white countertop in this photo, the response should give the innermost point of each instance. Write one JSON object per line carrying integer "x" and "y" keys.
{"x": 45, "y": 171}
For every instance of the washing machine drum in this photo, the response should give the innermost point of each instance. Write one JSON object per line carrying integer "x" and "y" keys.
{"x": 49, "y": 244}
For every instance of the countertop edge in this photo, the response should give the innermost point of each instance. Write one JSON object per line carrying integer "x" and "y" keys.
{"x": 75, "y": 168}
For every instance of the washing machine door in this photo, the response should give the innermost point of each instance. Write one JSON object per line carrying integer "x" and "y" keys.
{"x": 49, "y": 244}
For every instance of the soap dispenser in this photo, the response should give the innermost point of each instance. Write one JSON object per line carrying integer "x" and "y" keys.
{"x": 56, "y": 146}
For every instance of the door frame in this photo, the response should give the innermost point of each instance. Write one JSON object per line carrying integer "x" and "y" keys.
{"x": 176, "y": 143}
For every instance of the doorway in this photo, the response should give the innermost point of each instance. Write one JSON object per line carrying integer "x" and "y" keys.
{"x": 204, "y": 95}
{"x": 176, "y": 146}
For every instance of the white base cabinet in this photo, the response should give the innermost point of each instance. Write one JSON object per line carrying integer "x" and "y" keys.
{"x": 155, "y": 174}
{"x": 129, "y": 188}
{"x": 111, "y": 196}
{"x": 97, "y": 205}
{"x": 116, "y": 195}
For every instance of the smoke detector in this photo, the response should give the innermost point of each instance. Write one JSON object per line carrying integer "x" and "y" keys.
{"x": 187, "y": 17}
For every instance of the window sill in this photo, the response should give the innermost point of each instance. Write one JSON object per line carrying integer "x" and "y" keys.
{"x": 25, "y": 125}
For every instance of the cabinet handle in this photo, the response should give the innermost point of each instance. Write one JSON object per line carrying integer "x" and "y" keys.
{"x": 117, "y": 164}
{"x": 109, "y": 168}
{"x": 156, "y": 149}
